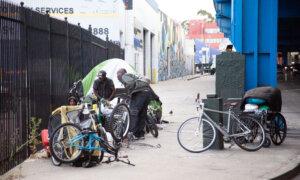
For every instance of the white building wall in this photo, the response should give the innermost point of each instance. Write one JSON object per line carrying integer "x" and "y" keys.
{"x": 129, "y": 35}
{"x": 189, "y": 55}
{"x": 145, "y": 18}
{"x": 106, "y": 17}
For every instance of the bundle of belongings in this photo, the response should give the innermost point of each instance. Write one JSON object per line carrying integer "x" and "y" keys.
{"x": 268, "y": 96}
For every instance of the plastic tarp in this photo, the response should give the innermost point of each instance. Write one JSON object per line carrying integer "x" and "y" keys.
{"x": 271, "y": 95}
{"x": 111, "y": 67}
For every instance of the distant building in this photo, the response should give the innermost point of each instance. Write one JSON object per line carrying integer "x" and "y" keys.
{"x": 209, "y": 41}
{"x": 207, "y": 32}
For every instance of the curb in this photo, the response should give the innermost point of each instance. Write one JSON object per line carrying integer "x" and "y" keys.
{"x": 289, "y": 174}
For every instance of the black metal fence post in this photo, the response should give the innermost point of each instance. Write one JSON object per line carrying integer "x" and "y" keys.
{"x": 68, "y": 48}
{"x": 24, "y": 49}
{"x": 107, "y": 47}
{"x": 50, "y": 55}
{"x": 81, "y": 53}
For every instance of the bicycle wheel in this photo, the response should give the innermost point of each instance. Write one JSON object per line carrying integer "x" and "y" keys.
{"x": 196, "y": 135}
{"x": 249, "y": 141}
{"x": 55, "y": 162}
{"x": 119, "y": 122}
{"x": 278, "y": 129}
{"x": 63, "y": 147}
{"x": 151, "y": 125}
{"x": 102, "y": 134}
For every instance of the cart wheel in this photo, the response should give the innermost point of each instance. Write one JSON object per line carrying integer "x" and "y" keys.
{"x": 267, "y": 143}
{"x": 55, "y": 162}
{"x": 278, "y": 129}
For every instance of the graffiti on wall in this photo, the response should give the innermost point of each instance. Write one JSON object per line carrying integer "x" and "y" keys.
{"x": 171, "y": 57}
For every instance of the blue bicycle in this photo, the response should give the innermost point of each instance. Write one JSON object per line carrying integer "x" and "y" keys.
{"x": 71, "y": 141}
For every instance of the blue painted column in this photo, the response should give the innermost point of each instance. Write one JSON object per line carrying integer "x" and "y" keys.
{"x": 254, "y": 33}
{"x": 267, "y": 51}
{"x": 237, "y": 24}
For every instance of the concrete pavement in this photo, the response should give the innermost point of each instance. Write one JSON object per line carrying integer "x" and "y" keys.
{"x": 170, "y": 161}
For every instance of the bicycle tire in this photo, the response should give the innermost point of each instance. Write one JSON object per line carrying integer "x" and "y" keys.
{"x": 207, "y": 127}
{"x": 267, "y": 143}
{"x": 152, "y": 126}
{"x": 255, "y": 128}
{"x": 54, "y": 153}
{"x": 103, "y": 135}
{"x": 55, "y": 162}
{"x": 116, "y": 122}
{"x": 278, "y": 126}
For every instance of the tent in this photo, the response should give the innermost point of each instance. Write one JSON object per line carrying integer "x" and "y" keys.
{"x": 111, "y": 66}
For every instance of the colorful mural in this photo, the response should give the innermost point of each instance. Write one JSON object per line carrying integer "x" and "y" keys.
{"x": 171, "y": 57}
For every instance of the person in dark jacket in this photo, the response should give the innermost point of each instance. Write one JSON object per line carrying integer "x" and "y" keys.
{"x": 141, "y": 94}
{"x": 104, "y": 87}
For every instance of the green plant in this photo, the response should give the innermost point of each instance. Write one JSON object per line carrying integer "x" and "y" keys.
{"x": 34, "y": 134}
{"x": 33, "y": 139}
{"x": 209, "y": 16}
{"x": 185, "y": 25}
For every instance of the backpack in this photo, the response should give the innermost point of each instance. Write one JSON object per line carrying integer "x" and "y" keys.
{"x": 135, "y": 83}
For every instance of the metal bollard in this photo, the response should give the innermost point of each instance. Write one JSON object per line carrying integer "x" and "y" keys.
{"x": 230, "y": 75}
{"x": 213, "y": 102}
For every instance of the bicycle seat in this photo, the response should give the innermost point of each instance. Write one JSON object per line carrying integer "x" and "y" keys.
{"x": 231, "y": 104}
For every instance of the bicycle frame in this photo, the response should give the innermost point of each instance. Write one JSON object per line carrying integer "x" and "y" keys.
{"x": 223, "y": 130}
{"x": 92, "y": 138}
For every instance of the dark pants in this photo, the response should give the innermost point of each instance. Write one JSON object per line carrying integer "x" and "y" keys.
{"x": 138, "y": 109}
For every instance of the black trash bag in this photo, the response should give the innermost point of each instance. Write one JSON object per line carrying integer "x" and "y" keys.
{"x": 271, "y": 95}
{"x": 53, "y": 123}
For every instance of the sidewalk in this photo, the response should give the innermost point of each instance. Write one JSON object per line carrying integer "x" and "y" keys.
{"x": 170, "y": 161}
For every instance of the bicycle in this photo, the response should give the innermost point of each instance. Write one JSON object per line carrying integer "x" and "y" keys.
{"x": 245, "y": 131}
{"x": 274, "y": 124}
{"x": 119, "y": 121}
{"x": 118, "y": 116}
{"x": 71, "y": 141}
{"x": 151, "y": 122}
{"x": 153, "y": 114}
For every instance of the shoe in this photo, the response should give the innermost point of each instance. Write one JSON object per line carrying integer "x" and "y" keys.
{"x": 141, "y": 137}
{"x": 135, "y": 138}
{"x": 129, "y": 136}
{"x": 132, "y": 137}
